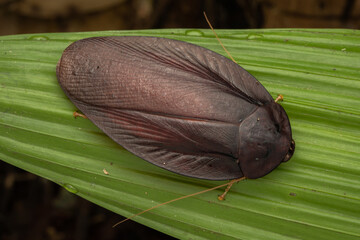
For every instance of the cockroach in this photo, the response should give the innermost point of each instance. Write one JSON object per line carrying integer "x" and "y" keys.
{"x": 177, "y": 105}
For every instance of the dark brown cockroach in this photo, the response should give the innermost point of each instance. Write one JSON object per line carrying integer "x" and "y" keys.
{"x": 177, "y": 105}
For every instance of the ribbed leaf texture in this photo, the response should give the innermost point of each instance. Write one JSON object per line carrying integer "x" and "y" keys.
{"x": 316, "y": 195}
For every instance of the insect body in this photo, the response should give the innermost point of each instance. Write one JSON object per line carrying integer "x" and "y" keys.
{"x": 177, "y": 105}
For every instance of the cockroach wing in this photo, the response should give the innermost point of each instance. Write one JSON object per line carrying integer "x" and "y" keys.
{"x": 184, "y": 146}
{"x": 174, "y": 104}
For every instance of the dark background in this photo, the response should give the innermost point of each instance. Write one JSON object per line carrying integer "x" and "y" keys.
{"x": 36, "y": 16}
{"x": 34, "y": 208}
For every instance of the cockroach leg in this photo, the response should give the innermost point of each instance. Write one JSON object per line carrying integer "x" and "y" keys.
{"x": 187, "y": 196}
{"x": 279, "y": 98}
{"x": 76, "y": 114}
{"x": 222, "y": 196}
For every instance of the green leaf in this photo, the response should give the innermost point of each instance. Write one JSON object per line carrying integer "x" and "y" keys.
{"x": 316, "y": 195}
